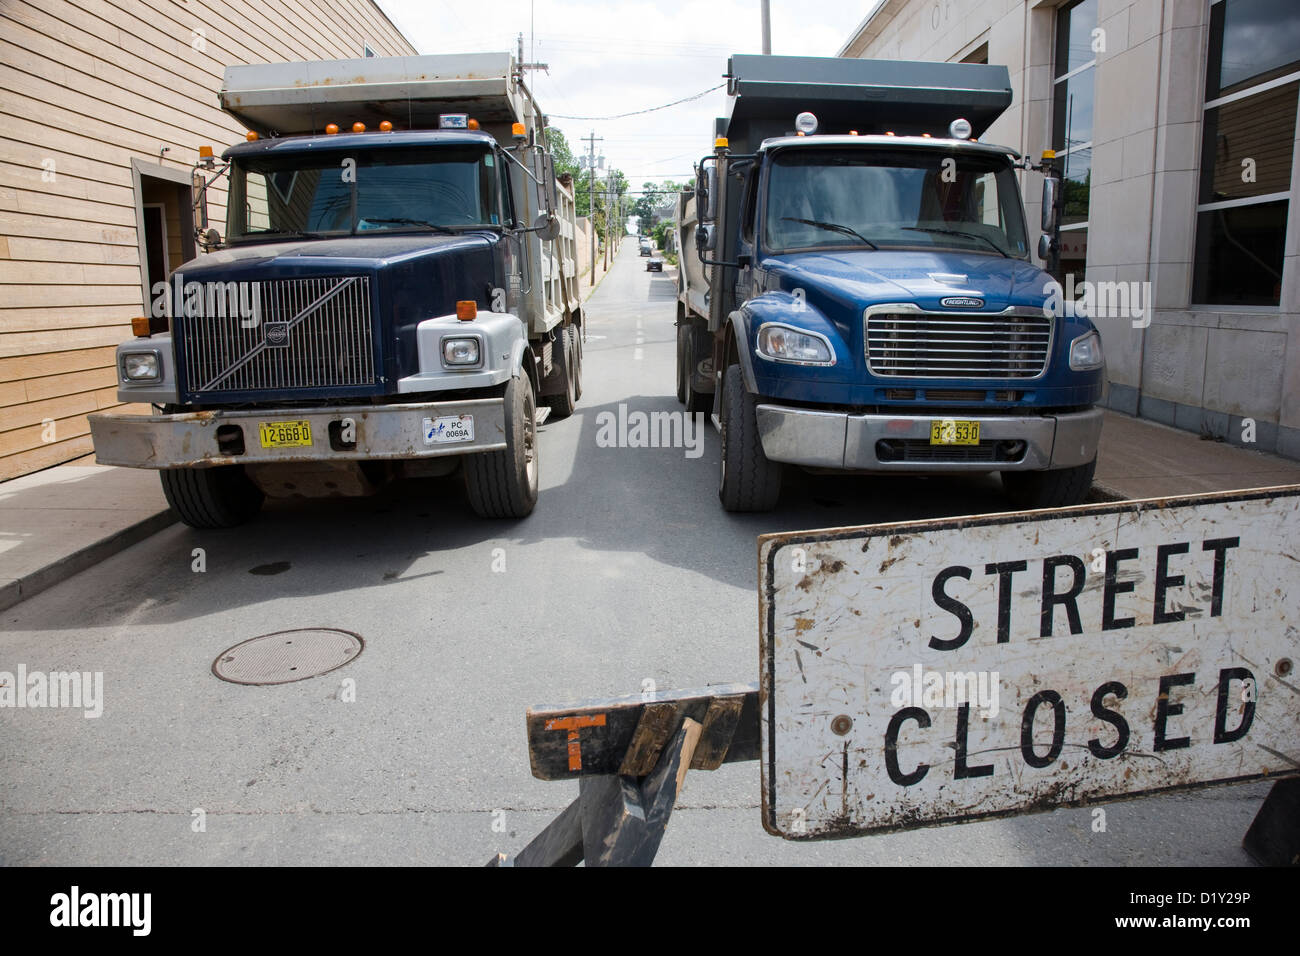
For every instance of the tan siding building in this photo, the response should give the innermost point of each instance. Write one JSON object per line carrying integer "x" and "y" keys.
{"x": 103, "y": 107}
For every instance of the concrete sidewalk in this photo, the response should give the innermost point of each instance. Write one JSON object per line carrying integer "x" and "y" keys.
{"x": 63, "y": 520}
{"x": 60, "y": 521}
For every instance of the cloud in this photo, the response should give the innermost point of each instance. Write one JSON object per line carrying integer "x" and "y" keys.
{"x": 607, "y": 58}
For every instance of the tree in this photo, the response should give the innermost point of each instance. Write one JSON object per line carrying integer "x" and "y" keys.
{"x": 565, "y": 162}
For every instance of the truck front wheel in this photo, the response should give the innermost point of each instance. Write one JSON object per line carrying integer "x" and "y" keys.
{"x": 748, "y": 481}
{"x": 221, "y": 497}
{"x": 1049, "y": 489}
{"x": 503, "y": 484}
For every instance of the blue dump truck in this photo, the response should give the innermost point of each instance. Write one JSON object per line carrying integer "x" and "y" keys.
{"x": 867, "y": 301}
{"x": 395, "y": 295}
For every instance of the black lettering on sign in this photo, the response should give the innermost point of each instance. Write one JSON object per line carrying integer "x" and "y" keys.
{"x": 953, "y": 607}
{"x": 1004, "y": 570}
{"x": 891, "y": 746}
{"x": 1027, "y": 728}
{"x": 1113, "y": 587}
{"x": 1165, "y": 710}
{"x": 961, "y": 771}
{"x": 1221, "y": 734}
{"x": 1100, "y": 710}
{"x": 1220, "y": 548}
{"x": 1165, "y": 581}
{"x": 1069, "y": 598}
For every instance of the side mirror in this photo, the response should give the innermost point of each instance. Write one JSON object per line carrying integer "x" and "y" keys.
{"x": 547, "y": 226}
{"x": 1049, "y": 203}
{"x": 706, "y": 191}
{"x": 706, "y": 238}
{"x": 1045, "y": 247}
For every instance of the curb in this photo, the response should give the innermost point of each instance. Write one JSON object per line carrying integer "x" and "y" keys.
{"x": 16, "y": 591}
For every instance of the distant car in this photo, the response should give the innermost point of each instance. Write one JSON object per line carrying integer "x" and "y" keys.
{"x": 647, "y": 247}
{"x": 654, "y": 264}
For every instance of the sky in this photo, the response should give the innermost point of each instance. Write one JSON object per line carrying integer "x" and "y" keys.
{"x": 612, "y": 57}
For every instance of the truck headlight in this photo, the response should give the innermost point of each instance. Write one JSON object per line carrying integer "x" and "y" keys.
{"x": 460, "y": 352}
{"x": 141, "y": 367}
{"x": 1085, "y": 352}
{"x": 780, "y": 343}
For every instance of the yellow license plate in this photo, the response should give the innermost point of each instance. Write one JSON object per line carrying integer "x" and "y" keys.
{"x": 950, "y": 431}
{"x": 285, "y": 434}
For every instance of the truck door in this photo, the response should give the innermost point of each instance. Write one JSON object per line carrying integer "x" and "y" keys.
{"x": 748, "y": 280}
{"x": 513, "y": 248}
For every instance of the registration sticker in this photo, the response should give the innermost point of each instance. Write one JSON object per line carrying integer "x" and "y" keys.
{"x": 454, "y": 428}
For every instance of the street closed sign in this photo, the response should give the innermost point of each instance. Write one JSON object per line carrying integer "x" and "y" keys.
{"x": 953, "y": 670}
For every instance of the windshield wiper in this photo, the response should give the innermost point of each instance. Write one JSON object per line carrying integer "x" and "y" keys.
{"x": 958, "y": 232}
{"x": 414, "y": 222}
{"x": 832, "y": 227}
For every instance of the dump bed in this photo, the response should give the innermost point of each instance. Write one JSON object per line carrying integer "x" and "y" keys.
{"x": 409, "y": 91}
{"x": 869, "y": 96}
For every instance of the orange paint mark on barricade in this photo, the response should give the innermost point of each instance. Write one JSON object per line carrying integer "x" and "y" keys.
{"x": 573, "y": 725}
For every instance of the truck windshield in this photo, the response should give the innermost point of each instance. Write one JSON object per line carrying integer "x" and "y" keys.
{"x": 883, "y": 198}
{"x": 340, "y": 193}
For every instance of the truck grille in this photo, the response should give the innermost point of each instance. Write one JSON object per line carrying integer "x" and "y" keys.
{"x": 309, "y": 333}
{"x": 945, "y": 345}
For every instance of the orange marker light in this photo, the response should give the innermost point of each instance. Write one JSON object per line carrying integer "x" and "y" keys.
{"x": 385, "y": 127}
{"x": 517, "y": 130}
{"x": 471, "y": 124}
{"x": 466, "y": 310}
{"x": 720, "y": 143}
{"x": 140, "y": 326}
{"x": 332, "y": 128}
{"x": 358, "y": 127}
{"x": 205, "y": 152}
{"x": 251, "y": 136}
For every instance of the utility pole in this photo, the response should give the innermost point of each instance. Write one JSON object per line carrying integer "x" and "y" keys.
{"x": 767, "y": 27}
{"x": 545, "y": 67}
{"x": 591, "y": 142}
{"x": 609, "y": 211}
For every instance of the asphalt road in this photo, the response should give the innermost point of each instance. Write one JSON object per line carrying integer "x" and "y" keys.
{"x": 627, "y": 571}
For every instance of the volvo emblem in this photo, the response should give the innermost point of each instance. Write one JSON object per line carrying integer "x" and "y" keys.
{"x": 961, "y": 302}
{"x": 277, "y": 333}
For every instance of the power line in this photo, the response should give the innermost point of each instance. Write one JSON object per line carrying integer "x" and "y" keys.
{"x": 685, "y": 99}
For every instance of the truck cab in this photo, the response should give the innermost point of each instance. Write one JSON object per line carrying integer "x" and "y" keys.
{"x": 874, "y": 305}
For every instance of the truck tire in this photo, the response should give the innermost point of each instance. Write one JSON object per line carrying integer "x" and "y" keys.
{"x": 1059, "y": 488}
{"x": 747, "y": 480}
{"x": 696, "y": 402}
{"x": 503, "y": 484}
{"x": 221, "y": 497}
{"x": 565, "y": 362}
{"x": 682, "y": 333}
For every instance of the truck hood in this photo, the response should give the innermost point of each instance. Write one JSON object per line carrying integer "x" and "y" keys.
{"x": 868, "y": 277}
{"x": 375, "y": 249}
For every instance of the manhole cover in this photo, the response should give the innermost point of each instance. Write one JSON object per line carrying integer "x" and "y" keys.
{"x": 287, "y": 656}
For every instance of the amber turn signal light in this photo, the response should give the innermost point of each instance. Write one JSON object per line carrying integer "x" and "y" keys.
{"x": 466, "y": 310}
{"x": 140, "y": 326}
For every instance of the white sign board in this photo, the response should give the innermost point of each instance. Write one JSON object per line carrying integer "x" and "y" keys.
{"x": 944, "y": 671}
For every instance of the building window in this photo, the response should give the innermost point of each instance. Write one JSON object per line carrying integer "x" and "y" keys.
{"x": 1252, "y": 76}
{"x": 367, "y": 49}
{"x": 1074, "y": 78}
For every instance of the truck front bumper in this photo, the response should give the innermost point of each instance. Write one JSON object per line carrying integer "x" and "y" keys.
{"x": 210, "y": 438}
{"x": 883, "y": 442}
